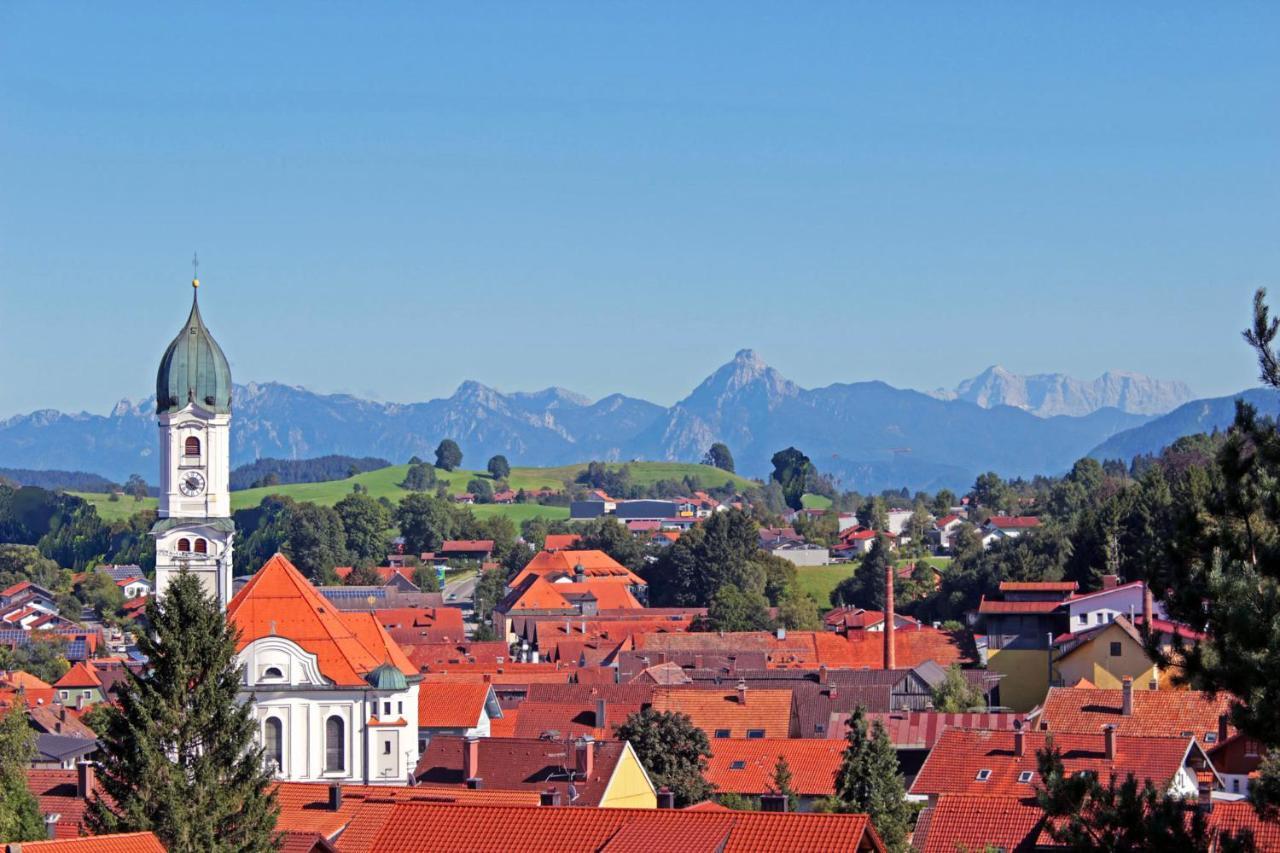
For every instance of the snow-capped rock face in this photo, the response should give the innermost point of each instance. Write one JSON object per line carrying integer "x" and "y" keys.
{"x": 1050, "y": 394}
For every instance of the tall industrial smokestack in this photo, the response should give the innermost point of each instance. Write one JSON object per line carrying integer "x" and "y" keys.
{"x": 888, "y": 618}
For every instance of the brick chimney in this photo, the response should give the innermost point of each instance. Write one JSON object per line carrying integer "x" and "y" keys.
{"x": 584, "y": 757}
{"x": 822, "y": 674}
{"x": 889, "y": 656}
{"x": 602, "y": 708}
{"x": 1109, "y": 741}
{"x": 1205, "y": 799}
{"x": 549, "y": 797}
{"x": 742, "y": 692}
{"x": 1126, "y": 697}
{"x": 1222, "y": 728}
{"x": 470, "y": 757}
{"x": 85, "y": 780}
{"x": 1148, "y": 609}
{"x": 335, "y": 797}
{"x": 1110, "y": 581}
{"x": 1019, "y": 739}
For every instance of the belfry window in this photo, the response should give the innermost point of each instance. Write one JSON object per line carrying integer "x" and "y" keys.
{"x": 192, "y": 446}
{"x": 202, "y": 547}
{"x": 184, "y": 545}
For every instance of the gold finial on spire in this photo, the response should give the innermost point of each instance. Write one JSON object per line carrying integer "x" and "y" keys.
{"x": 195, "y": 267}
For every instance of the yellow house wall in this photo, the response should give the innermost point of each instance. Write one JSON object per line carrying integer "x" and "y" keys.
{"x": 1026, "y": 676}
{"x": 1093, "y": 661}
{"x": 629, "y": 788}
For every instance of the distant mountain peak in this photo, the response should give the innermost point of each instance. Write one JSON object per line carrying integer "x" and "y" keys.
{"x": 1052, "y": 394}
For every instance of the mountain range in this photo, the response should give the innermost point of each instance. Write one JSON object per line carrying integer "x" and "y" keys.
{"x": 868, "y": 435}
{"x": 1049, "y": 394}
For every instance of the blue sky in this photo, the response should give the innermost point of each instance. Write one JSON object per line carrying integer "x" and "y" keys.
{"x": 388, "y": 199}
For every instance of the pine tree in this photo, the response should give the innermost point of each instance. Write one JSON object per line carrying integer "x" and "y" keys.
{"x": 179, "y": 756}
{"x": 19, "y": 811}
{"x": 780, "y": 782}
{"x": 868, "y": 782}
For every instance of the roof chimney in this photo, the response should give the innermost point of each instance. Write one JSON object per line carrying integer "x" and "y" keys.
{"x": 889, "y": 657}
{"x": 51, "y": 824}
{"x": 470, "y": 757}
{"x": 666, "y": 798}
{"x": 1019, "y": 742}
{"x": 1110, "y": 581}
{"x": 822, "y": 674}
{"x": 335, "y": 797}
{"x": 475, "y": 783}
{"x": 1222, "y": 728}
{"x": 84, "y": 780}
{"x": 1148, "y": 609}
{"x": 742, "y": 692}
{"x": 549, "y": 797}
{"x": 1205, "y": 800}
{"x": 585, "y": 756}
{"x": 1126, "y": 697}
{"x": 601, "y": 713}
{"x": 1109, "y": 740}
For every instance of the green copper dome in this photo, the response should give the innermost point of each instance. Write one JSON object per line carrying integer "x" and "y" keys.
{"x": 387, "y": 677}
{"x": 193, "y": 370}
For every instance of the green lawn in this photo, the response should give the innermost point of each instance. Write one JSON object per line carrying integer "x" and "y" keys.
{"x": 815, "y": 501}
{"x": 384, "y": 483}
{"x": 818, "y": 581}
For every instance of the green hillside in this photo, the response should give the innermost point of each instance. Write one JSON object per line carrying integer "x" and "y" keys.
{"x": 383, "y": 483}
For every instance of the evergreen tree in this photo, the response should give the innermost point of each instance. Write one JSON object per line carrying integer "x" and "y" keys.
{"x": 865, "y": 587}
{"x": 313, "y": 539}
{"x": 868, "y": 782}
{"x": 178, "y": 755}
{"x": 419, "y": 477}
{"x": 781, "y": 780}
{"x": 20, "y": 818}
{"x": 673, "y": 750}
{"x": 731, "y": 609}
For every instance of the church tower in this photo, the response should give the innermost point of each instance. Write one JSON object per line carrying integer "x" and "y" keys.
{"x": 193, "y": 403}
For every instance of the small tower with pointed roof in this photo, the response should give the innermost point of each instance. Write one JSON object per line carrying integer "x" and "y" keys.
{"x": 193, "y": 405}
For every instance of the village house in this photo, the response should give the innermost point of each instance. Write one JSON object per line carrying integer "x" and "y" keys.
{"x": 746, "y": 767}
{"x": 458, "y": 710}
{"x": 1162, "y": 713}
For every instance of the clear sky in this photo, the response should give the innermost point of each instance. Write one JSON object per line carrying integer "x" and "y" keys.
{"x": 388, "y": 199}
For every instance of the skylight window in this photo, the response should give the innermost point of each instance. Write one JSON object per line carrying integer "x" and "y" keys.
{"x": 1026, "y": 776}
{"x": 738, "y": 765}
{"x": 722, "y": 732}
{"x": 1210, "y": 737}
{"x": 983, "y": 775}
{"x": 755, "y": 734}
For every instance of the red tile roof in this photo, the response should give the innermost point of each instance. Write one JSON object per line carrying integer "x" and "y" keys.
{"x": 1156, "y": 713}
{"x": 56, "y": 791}
{"x": 1039, "y": 586}
{"x": 1241, "y": 815}
{"x": 385, "y": 573}
{"x": 15, "y": 589}
{"x": 921, "y": 729}
{"x": 347, "y": 646}
{"x": 956, "y": 759}
{"x": 745, "y": 766}
{"x": 426, "y": 829}
{"x": 442, "y": 705}
{"x": 1013, "y": 522}
{"x": 455, "y": 546}
{"x": 968, "y": 822}
{"x": 570, "y": 709}
{"x": 21, "y": 680}
{"x": 911, "y": 648}
{"x": 767, "y": 710}
{"x": 127, "y": 842}
{"x": 523, "y": 764}
{"x": 563, "y": 563}
{"x": 1001, "y": 607}
{"x": 82, "y": 675}
{"x": 561, "y": 541}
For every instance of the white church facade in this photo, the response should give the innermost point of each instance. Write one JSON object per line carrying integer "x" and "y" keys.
{"x": 334, "y": 697}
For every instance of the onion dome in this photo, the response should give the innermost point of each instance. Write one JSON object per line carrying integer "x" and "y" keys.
{"x": 387, "y": 677}
{"x": 193, "y": 369}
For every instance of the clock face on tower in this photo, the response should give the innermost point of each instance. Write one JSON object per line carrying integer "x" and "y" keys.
{"x": 191, "y": 484}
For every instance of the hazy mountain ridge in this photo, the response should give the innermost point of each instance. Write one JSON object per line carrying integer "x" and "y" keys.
{"x": 1050, "y": 394}
{"x": 868, "y": 434}
{"x": 1198, "y": 416}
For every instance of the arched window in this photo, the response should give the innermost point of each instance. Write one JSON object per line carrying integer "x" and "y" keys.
{"x": 273, "y": 741}
{"x": 184, "y": 545}
{"x": 192, "y": 447}
{"x": 334, "y": 746}
{"x": 273, "y": 672}
{"x": 202, "y": 547}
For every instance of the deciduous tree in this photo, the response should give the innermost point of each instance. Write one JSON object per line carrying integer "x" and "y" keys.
{"x": 448, "y": 455}
{"x": 791, "y": 471}
{"x": 20, "y": 818}
{"x": 673, "y": 750}
{"x": 718, "y": 456}
{"x": 499, "y": 468}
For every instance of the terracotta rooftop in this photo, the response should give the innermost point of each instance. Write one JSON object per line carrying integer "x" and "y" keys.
{"x": 1039, "y": 586}
{"x": 986, "y": 605}
{"x": 1013, "y": 522}
{"x": 443, "y": 705}
{"x": 81, "y": 676}
{"x": 912, "y": 647}
{"x": 764, "y": 710}
{"x": 960, "y": 755}
{"x": 426, "y": 829}
{"x": 523, "y": 764}
{"x": 1155, "y": 713}
{"x": 561, "y": 541}
{"x": 278, "y": 600}
{"x": 127, "y": 842}
{"x": 56, "y": 792}
{"x": 971, "y": 822}
{"x": 921, "y": 729}
{"x": 745, "y": 766}
{"x": 564, "y": 563}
